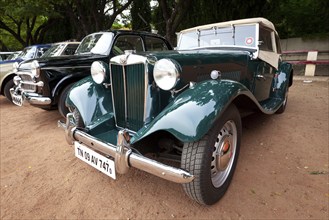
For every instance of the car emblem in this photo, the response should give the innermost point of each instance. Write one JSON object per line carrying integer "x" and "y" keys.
{"x": 123, "y": 59}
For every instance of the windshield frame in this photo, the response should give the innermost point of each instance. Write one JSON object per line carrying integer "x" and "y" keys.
{"x": 202, "y": 33}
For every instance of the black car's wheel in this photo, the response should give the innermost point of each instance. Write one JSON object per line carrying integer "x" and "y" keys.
{"x": 6, "y": 90}
{"x": 63, "y": 110}
{"x": 284, "y": 104}
{"x": 212, "y": 160}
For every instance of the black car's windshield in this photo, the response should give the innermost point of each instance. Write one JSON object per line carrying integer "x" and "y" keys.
{"x": 242, "y": 35}
{"x": 55, "y": 50}
{"x": 96, "y": 43}
{"x": 28, "y": 53}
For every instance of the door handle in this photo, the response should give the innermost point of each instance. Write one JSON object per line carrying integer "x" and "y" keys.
{"x": 261, "y": 77}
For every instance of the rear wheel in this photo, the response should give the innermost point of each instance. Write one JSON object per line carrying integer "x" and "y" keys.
{"x": 212, "y": 160}
{"x": 6, "y": 90}
{"x": 284, "y": 103}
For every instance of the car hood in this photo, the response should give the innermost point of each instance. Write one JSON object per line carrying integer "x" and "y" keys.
{"x": 10, "y": 61}
{"x": 62, "y": 61}
{"x": 198, "y": 64}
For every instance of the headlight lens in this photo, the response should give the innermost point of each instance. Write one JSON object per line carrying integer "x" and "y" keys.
{"x": 166, "y": 73}
{"x": 98, "y": 71}
{"x": 35, "y": 68}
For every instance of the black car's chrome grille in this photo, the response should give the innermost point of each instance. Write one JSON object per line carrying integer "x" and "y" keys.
{"x": 128, "y": 89}
{"x": 27, "y": 79}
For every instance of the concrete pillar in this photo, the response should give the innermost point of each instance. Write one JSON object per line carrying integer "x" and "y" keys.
{"x": 310, "y": 68}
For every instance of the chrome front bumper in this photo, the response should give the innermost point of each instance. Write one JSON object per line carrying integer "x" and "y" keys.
{"x": 32, "y": 98}
{"x": 20, "y": 96}
{"x": 122, "y": 153}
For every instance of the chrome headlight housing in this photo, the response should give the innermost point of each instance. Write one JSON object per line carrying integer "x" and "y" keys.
{"x": 98, "y": 71}
{"x": 166, "y": 73}
{"x": 15, "y": 66}
{"x": 35, "y": 68}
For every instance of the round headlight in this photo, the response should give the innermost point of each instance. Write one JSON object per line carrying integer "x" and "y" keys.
{"x": 98, "y": 72}
{"x": 166, "y": 73}
{"x": 35, "y": 68}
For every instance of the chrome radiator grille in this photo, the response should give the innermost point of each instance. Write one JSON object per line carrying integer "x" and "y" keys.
{"x": 27, "y": 79}
{"x": 128, "y": 91}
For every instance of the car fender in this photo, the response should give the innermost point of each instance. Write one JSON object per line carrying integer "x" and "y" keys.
{"x": 65, "y": 81}
{"x": 192, "y": 113}
{"x": 6, "y": 78}
{"x": 283, "y": 80}
{"x": 90, "y": 99}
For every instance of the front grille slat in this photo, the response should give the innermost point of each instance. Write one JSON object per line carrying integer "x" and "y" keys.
{"x": 26, "y": 79}
{"x": 128, "y": 88}
{"x": 28, "y": 88}
{"x": 135, "y": 79}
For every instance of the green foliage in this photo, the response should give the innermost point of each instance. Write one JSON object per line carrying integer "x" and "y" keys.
{"x": 26, "y": 22}
{"x": 141, "y": 16}
{"x": 38, "y": 21}
{"x": 157, "y": 20}
{"x": 302, "y": 18}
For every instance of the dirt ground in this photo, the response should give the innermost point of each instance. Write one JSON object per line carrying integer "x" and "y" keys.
{"x": 282, "y": 171}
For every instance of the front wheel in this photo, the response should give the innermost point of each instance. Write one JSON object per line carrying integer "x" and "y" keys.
{"x": 63, "y": 110}
{"x": 212, "y": 160}
{"x": 6, "y": 90}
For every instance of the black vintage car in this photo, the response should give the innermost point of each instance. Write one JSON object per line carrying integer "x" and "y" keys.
{"x": 45, "y": 82}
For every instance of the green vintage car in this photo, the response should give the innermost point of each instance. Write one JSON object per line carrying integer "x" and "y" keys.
{"x": 183, "y": 105}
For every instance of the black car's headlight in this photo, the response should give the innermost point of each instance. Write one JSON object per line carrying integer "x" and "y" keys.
{"x": 98, "y": 71}
{"x": 35, "y": 68}
{"x": 166, "y": 73}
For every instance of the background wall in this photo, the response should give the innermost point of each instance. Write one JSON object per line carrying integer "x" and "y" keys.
{"x": 299, "y": 47}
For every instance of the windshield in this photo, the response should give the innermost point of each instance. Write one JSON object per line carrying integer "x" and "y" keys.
{"x": 55, "y": 50}
{"x": 96, "y": 43}
{"x": 242, "y": 35}
{"x": 28, "y": 53}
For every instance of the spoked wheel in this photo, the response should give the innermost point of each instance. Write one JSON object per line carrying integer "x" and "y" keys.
{"x": 212, "y": 160}
{"x": 223, "y": 154}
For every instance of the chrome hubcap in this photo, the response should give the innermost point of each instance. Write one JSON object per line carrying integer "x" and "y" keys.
{"x": 223, "y": 154}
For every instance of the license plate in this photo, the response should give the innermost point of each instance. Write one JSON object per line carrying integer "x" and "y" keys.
{"x": 17, "y": 99}
{"x": 94, "y": 159}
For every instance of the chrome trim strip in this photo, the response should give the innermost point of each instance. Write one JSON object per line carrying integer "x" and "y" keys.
{"x": 145, "y": 91}
{"x": 64, "y": 67}
{"x": 123, "y": 155}
{"x": 39, "y": 83}
{"x": 37, "y": 100}
{"x": 25, "y": 73}
{"x": 112, "y": 95}
{"x": 125, "y": 91}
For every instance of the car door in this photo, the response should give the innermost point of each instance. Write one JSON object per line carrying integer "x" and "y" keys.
{"x": 267, "y": 64}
